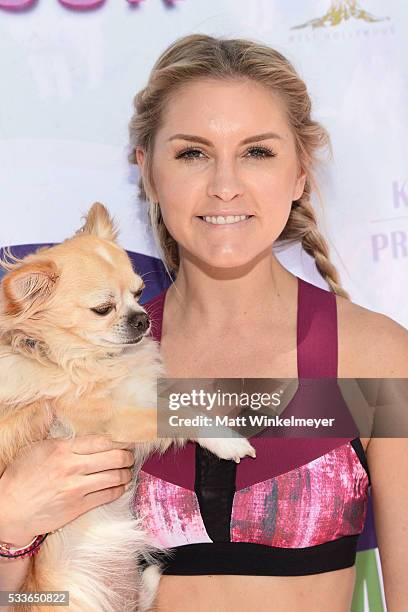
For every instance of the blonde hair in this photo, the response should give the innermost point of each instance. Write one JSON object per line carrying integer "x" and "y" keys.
{"x": 198, "y": 56}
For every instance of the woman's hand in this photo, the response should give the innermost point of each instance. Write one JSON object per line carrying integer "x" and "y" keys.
{"x": 56, "y": 480}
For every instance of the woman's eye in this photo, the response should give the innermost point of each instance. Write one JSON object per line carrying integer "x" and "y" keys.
{"x": 104, "y": 310}
{"x": 188, "y": 154}
{"x": 262, "y": 152}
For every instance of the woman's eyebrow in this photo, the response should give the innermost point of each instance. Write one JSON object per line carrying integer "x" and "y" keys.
{"x": 255, "y": 138}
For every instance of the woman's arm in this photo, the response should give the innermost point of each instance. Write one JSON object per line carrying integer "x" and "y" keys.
{"x": 13, "y": 571}
{"x": 51, "y": 484}
{"x": 388, "y": 463}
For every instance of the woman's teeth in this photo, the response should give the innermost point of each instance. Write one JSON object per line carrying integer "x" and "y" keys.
{"x": 223, "y": 220}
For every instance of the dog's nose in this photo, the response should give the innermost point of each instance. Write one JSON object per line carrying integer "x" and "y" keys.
{"x": 140, "y": 321}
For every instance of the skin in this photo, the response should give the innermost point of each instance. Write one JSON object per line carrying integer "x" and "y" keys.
{"x": 230, "y": 285}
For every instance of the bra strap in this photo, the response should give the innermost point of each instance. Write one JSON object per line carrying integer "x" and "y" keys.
{"x": 154, "y": 309}
{"x": 317, "y": 346}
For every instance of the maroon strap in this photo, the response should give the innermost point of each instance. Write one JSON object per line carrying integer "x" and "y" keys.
{"x": 154, "y": 309}
{"x": 316, "y": 332}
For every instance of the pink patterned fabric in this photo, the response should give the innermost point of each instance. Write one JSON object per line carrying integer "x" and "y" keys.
{"x": 321, "y": 501}
{"x": 170, "y": 514}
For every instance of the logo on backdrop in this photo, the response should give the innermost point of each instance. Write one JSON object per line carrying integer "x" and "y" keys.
{"x": 339, "y": 13}
{"x": 341, "y": 10}
{"x": 80, "y": 5}
{"x": 393, "y": 243}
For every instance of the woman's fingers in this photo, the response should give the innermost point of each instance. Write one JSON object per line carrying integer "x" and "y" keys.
{"x": 106, "y": 460}
{"x": 86, "y": 445}
{"x": 105, "y": 496}
{"x": 96, "y": 453}
{"x": 105, "y": 480}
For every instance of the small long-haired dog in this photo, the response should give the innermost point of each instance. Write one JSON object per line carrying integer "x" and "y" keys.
{"x": 76, "y": 359}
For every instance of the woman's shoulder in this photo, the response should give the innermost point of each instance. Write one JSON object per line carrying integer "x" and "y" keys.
{"x": 371, "y": 344}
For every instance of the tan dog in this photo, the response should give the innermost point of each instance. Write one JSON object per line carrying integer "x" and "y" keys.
{"x": 75, "y": 359}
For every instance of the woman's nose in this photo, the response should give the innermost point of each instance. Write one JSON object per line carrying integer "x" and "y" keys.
{"x": 225, "y": 181}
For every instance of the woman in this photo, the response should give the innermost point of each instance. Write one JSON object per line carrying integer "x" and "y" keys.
{"x": 227, "y": 150}
{"x": 223, "y": 130}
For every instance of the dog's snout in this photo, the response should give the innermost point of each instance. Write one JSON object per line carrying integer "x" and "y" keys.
{"x": 140, "y": 321}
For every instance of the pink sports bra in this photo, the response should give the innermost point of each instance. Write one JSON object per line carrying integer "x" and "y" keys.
{"x": 297, "y": 509}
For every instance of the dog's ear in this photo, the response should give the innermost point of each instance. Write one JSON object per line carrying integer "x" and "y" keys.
{"x": 99, "y": 223}
{"x": 29, "y": 285}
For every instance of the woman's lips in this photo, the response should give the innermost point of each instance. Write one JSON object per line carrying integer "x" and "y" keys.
{"x": 240, "y": 223}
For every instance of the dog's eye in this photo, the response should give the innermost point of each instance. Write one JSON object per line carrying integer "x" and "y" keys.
{"x": 102, "y": 311}
{"x": 138, "y": 293}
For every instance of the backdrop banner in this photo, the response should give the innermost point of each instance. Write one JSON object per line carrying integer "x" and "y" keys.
{"x": 70, "y": 69}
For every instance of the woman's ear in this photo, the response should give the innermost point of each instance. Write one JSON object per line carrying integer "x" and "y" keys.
{"x": 140, "y": 157}
{"x": 299, "y": 185}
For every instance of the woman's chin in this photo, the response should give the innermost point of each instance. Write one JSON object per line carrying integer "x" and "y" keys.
{"x": 227, "y": 256}
{"x": 231, "y": 262}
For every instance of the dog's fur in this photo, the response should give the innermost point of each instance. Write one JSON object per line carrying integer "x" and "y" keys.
{"x": 65, "y": 371}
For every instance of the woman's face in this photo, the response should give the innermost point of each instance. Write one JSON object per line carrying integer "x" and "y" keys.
{"x": 224, "y": 151}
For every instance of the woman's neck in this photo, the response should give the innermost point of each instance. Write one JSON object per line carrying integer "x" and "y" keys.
{"x": 230, "y": 296}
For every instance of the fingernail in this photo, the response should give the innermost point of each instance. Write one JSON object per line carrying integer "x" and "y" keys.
{"x": 127, "y": 487}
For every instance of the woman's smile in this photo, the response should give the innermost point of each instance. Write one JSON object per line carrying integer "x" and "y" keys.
{"x": 230, "y": 221}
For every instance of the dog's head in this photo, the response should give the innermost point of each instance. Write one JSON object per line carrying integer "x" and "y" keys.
{"x": 77, "y": 296}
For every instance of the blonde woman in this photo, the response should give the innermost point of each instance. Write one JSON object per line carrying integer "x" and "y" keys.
{"x": 227, "y": 150}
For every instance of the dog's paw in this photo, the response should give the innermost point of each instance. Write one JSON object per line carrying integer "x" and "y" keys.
{"x": 228, "y": 448}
